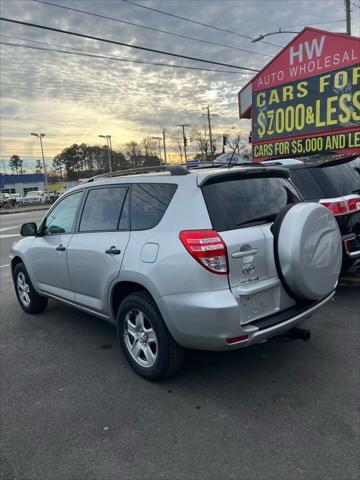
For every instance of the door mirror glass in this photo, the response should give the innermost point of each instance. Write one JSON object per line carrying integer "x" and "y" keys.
{"x": 28, "y": 229}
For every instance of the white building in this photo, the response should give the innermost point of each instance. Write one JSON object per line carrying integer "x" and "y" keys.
{"x": 22, "y": 183}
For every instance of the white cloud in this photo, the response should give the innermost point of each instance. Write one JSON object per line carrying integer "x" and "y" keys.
{"x": 74, "y": 98}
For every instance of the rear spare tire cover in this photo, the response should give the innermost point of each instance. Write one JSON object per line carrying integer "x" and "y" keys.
{"x": 308, "y": 250}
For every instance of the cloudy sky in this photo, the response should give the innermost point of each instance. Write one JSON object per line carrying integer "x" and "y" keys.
{"x": 74, "y": 98}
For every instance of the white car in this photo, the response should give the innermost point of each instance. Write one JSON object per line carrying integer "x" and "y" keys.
{"x": 17, "y": 197}
{"x": 234, "y": 158}
{"x": 35, "y": 196}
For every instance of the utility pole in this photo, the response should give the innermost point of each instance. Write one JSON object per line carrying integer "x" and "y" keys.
{"x": 183, "y": 125}
{"x": 348, "y": 16}
{"x": 209, "y": 115}
{"x": 109, "y": 149}
{"x": 40, "y": 136}
{"x": 164, "y": 145}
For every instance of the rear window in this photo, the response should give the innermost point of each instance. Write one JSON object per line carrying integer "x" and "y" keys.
{"x": 304, "y": 180}
{"x": 241, "y": 203}
{"x": 340, "y": 179}
{"x": 149, "y": 202}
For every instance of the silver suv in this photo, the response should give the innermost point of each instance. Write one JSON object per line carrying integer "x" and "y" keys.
{"x": 213, "y": 259}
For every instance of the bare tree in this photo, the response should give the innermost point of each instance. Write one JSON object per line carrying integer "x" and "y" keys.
{"x": 202, "y": 140}
{"x": 233, "y": 143}
{"x": 236, "y": 144}
{"x": 150, "y": 147}
{"x": 133, "y": 154}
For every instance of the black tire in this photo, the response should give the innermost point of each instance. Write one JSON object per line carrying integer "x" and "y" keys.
{"x": 169, "y": 355}
{"x": 37, "y": 303}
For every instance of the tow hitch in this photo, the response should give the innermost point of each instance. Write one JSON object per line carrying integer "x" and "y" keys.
{"x": 295, "y": 333}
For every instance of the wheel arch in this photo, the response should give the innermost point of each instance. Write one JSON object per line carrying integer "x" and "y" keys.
{"x": 15, "y": 261}
{"x": 124, "y": 288}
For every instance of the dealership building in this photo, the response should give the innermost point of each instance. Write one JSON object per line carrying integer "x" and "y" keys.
{"x": 22, "y": 183}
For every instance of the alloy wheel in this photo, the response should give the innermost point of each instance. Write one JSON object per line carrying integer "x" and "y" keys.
{"x": 23, "y": 289}
{"x": 140, "y": 338}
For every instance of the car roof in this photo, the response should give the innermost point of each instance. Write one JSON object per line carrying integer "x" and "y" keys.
{"x": 198, "y": 177}
{"x": 311, "y": 162}
{"x": 200, "y": 173}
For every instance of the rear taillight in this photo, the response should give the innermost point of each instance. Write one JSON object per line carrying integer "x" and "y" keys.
{"x": 342, "y": 205}
{"x": 348, "y": 246}
{"x": 207, "y": 248}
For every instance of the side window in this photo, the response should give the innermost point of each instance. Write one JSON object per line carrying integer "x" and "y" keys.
{"x": 149, "y": 202}
{"x": 102, "y": 209}
{"x": 61, "y": 218}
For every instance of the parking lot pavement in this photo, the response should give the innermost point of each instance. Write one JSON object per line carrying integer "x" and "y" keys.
{"x": 9, "y": 231}
{"x": 71, "y": 408}
{"x": 24, "y": 209}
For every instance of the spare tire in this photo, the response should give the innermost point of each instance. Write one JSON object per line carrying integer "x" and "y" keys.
{"x": 308, "y": 250}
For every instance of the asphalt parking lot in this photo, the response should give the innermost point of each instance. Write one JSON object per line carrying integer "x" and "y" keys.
{"x": 71, "y": 408}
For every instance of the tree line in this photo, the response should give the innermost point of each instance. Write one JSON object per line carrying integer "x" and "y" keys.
{"x": 83, "y": 160}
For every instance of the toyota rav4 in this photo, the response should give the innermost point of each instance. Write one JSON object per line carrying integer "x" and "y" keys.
{"x": 214, "y": 259}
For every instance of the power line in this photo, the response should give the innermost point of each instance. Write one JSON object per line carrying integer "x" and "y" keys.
{"x": 317, "y": 23}
{"x": 355, "y": 4}
{"x": 196, "y": 22}
{"x": 123, "y": 44}
{"x": 108, "y": 57}
{"x": 93, "y": 14}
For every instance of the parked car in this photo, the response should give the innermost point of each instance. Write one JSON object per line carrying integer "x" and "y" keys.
{"x": 214, "y": 259}
{"x": 335, "y": 183}
{"x": 53, "y": 195}
{"x": 35, "y": 197}
{"x": 6, "y": 200}
{"x": 234, "y": 158}
{"x": 17, "y": 197}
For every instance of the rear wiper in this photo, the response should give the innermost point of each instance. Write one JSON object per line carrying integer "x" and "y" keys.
{"x": 262, "y": 219}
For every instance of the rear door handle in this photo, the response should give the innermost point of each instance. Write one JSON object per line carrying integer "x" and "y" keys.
{"x": 60, "y": 248}
{"x": 113, "y": 251}
{"x": 245, "y": 253}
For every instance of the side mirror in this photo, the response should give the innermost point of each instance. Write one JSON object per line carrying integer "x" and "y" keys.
{"x": 28, "y": 229}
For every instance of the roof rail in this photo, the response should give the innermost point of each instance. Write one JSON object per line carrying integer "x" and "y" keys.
{"x": 173, "y": 169}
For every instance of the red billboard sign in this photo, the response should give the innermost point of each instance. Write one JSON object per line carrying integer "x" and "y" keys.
{"x": 307, "y": 99}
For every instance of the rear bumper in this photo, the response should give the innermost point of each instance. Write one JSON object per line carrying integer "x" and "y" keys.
{"x": 206, "y": 320}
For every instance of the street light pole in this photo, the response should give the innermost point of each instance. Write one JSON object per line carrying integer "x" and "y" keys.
{"x": 261, "y": 37}
{"x": 209, "y": 115}
{"x": 164, "y": 145}
{"x": 109, "y": 149}
{"x": 40, "y": 136}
